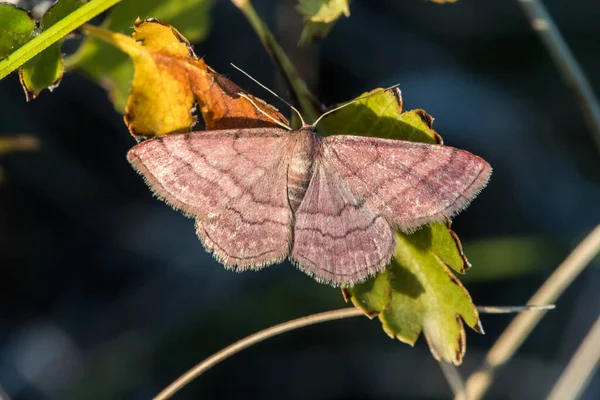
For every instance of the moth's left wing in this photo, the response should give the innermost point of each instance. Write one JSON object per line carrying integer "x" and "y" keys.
{"x": 411, "y": 183}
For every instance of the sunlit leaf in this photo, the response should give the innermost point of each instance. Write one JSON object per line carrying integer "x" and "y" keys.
{"x": 169, "y": 79}
{"x": 46, "y": 69}
{"x": 111, "y": 67}
{"x": 320, "y": 16}
{"x": 18, "y": 28}
{"x": 381, "y": 115}
{"x": 417, "y": 292}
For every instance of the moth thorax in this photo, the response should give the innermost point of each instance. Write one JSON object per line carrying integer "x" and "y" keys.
{"x": 300, "y": 169}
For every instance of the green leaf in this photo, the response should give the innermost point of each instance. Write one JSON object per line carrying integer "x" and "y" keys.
{"x": 418, "y": 292}
{"x": 18, "y": 28}
{"x": 113, "y": 68}
{"x": 381, "y": 115}
{"x": 59, "y": 10}
{"x": 43, "y": 71}
{"x": 320, "y": 16}
{"x": 52, "y": 35}
{"x": 46, "y": 69}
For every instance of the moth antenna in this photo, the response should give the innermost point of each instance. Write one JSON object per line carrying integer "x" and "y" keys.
{"x": 244, "y": 95}
{"x": 353, "y": 101}
{"x": 270, "y": 91}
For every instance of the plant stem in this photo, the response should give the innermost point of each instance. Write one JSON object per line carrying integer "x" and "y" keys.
{"x": 303, "y": 96}
{"x": 454, "y": 379}
{"x": 53, "y": 34}
{"x": 520, "y": 327}
{"x": 571, "y": 72}
{"x": 252, "y": 340}
{"x": 581, "y": 367}
{"x": 512, "y": 309}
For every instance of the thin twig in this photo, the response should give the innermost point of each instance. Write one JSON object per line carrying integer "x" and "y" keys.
{"x": 456, "y": 382}
{"x": 581, "y": 368}
{"x": 571, "y": 72}
{"x": 302, "y": 94}
{"x": 520, "y": 327}
{"x": 254, "y": 339}
{"x": 512, "y": 309}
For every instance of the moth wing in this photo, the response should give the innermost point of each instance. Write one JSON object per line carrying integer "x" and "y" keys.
{"x": 231, "y": 182}
{"x": 410, "y": 183}
{"x": 338, "y": 238}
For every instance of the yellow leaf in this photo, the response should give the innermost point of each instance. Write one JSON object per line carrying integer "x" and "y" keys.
{"x": 169, "y": 81}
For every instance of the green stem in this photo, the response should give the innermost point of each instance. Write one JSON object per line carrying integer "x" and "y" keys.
{"x": 303, "y": 96}
{"x": 53, "y": 34}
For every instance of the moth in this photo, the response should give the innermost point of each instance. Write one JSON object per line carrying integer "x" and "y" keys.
{"x": 329, "y": 204}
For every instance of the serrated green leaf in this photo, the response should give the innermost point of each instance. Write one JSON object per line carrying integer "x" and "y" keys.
{"x": 447, "y": 246}
{"x": 320, "y": 16}
{"x": 417, "y": 292}
{"x": 113, "y": 68}
{"x": 18, "y": 28}
{"x": 381, "y": 115}
{"x": 45, "y": 70}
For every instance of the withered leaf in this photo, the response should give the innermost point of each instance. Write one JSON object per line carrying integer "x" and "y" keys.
{"x": 112, "y": 68}
{"x": 169, "y": 80}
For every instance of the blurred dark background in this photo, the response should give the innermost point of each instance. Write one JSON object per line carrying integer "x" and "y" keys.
{"x": 105, "y": 292}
